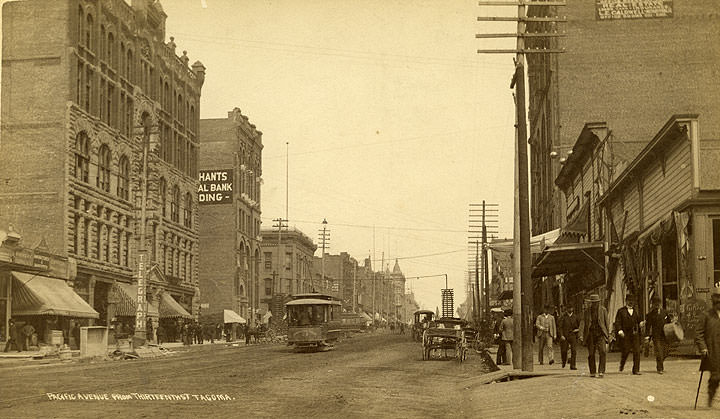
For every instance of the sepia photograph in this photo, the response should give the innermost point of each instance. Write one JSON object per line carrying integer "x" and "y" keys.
{"x": 360, "y": 209}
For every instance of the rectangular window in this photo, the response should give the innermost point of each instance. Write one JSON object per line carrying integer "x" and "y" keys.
{"x": 288, "y": 261}
{"x": 268, "y": 287}
{"x": 268, "y": 260}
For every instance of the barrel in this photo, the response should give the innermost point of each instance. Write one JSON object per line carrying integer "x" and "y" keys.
{"x": 65, "y": 353}
{"x": 673, "y": 332}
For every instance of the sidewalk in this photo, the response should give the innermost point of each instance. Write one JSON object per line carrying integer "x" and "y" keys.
{"x": 560, "y": 392}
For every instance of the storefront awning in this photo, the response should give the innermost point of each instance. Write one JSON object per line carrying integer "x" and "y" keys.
{"x": 572, "y": 257}
{"x": 41, "y": 295}
{"x": 125, "y": 298}
{"x": 170, "y": 308}
{"x": 230, "y": 316}
{"x": 537, "y": 243}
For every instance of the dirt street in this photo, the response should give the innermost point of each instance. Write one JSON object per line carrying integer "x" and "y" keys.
{"x": 369, "y": 375}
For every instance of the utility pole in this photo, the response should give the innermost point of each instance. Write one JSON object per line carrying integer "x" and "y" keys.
{"x": 280, "y": 223}
{"x": 140, "y": 337}
{"x": 518, "y": 82}
{"x": 382, "y": 284}
{"x": 354, "y": 293}
{"x": 483, "y": 221}
{"x": 324, "y": 238}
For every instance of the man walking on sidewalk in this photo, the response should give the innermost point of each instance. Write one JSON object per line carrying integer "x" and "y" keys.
{"x": 547, "y": 332}
{"x": 627, "y": 327}
{"x": 569, "y": 328}
{"x": 707, "y": 339}
{"x": 656, "y": 320}
{"x": 506, "y": 335}
{"x": 595, "y": 334}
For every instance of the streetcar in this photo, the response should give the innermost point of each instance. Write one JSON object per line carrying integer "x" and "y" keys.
{"x": 314, "y": 321}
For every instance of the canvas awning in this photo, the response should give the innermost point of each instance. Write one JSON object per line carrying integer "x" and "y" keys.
{"x": 171, "y": 309}
{"x": 125, "y": 297}
{"x": 537, "y": 243}
{"x": 230, "y": 316}
{"x": 33, "y": 295}
{"x": 571, "y": 257}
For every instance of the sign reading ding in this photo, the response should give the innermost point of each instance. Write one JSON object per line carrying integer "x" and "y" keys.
{"x": 216, "y": 187}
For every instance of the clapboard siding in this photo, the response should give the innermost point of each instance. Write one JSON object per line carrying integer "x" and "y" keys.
{"x": 662, "y": 193}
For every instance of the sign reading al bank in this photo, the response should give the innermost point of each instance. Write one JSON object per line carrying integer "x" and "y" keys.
{"x": 216, "y": 187}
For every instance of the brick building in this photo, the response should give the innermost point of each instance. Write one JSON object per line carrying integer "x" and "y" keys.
{"x": 624, "y": 68}
{"x": 229, "y": 273}
{"x": 85, "y": 85}
{"x": 339, "y": 271}
{"x": 287, "y": 267}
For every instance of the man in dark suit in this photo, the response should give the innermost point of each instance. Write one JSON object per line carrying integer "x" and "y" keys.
{"x": 707, "y": 339}
{"x": 569, "y": 328}
{"x": 654, "y": 328}
{"x": 627, "y": 327}
{"x": 595, "y": 334}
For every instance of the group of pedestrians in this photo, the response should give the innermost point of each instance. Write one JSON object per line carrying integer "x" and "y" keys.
{"x": 595, "y": 332}
{"x": 20, "y": 337}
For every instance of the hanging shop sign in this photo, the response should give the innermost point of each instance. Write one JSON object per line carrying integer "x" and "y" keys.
{"x": 216, "y": 187}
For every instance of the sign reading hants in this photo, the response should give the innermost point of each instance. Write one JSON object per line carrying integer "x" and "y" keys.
{"x": 633, "y": 9}
{"x": 216, "y": 187}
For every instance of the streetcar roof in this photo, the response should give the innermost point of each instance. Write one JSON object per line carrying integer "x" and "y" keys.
{"x": 315, "y": 295}
{"x": 311, "y": 301}
{"x": 424, "y": 312}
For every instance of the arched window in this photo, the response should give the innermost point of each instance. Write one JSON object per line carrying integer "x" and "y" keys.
{"x": 121, "y": 60}
{"x": 163, "y": 196}
{"x": 188, "y": 210}
{"x": 191, "y": 123}
{"x": 81, "y": 19}
{"x": 123, "y": 186}
{"x": 88, "y": 32}
{"x": 129, "y": 65}
{"x": 174, "y": 204}
{"x": 110, "y": 52}
{"x": 82, "y": 156}
{"x": 102, "y": 180}
{"x": 101, "y": 43}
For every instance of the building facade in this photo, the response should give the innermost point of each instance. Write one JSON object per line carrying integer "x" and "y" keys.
{"x": 614, "y": 62}
{"x": 86, "y": 87}
{"x": 230, "y": 254}
{"x": 286, "y": 267}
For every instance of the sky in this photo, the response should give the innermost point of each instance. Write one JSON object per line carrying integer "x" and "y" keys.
{"x": 388, "y": 120}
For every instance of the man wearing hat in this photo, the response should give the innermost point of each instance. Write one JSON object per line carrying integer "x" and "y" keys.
{"x": 654, "y": 328}
{"x": 707, "y": 339}
{"x": 595, "y": 334}
{"x": 569, "y": 328}
{"x": 507, "y": 330}
{"x": 547, "y": 332}
{"x": 627, "y": 327}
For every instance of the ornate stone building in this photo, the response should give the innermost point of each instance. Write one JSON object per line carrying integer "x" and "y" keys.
{"x": 86, "y": 84}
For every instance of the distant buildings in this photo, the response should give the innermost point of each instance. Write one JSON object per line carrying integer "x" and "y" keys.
{"x": 230, "y": 254}
{"x": 85, "y": 85}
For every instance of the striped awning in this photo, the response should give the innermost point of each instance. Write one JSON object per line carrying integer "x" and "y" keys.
{"x": 125, "y": 297}
{"x": 171, "y": 309}
{"x": 34, "y": 295}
